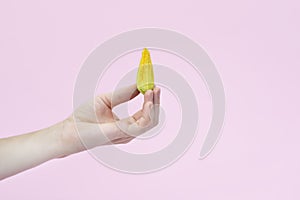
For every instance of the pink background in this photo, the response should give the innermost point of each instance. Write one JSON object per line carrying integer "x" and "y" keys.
{"x": 255, "y": 45}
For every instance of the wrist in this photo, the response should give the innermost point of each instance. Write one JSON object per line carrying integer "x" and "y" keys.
{"x": 70, "y": 142}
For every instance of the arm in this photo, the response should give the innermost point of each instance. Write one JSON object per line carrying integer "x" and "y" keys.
{"x": 22, "y": 152}
{"x": 26, "y": 151}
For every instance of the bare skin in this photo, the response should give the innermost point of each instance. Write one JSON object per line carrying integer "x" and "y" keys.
{"x": 92, "y": 124}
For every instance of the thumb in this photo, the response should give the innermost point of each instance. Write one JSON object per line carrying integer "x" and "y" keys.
{"x": 120, "y": 95}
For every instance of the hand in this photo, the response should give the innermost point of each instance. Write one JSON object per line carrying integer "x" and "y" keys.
{"x": 94, "y": 123}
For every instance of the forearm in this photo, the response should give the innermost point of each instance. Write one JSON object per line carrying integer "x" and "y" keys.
{"x": 23, "y": 152}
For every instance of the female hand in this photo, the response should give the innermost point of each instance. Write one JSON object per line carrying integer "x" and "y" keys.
{"x": 95, "y": 124}
{"x": 92, "y": 124}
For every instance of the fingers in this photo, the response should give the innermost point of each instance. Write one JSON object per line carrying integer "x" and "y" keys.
{"x": 150, "y": 111}
{"x": 123, "y": 130}
{"x": 120, "y": 96}
{"x": 148, "y": 117}
{"x": 156, "y": 98}
{"x": 144, "y": 119}
{"x": 156, "y": 94}
{"x": 124, "y": 140}
{"x": 121, "y": 140}
{"x": 148, "y": 97}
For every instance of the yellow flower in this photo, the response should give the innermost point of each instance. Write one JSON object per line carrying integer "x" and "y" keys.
{"x": 145, "y": 75}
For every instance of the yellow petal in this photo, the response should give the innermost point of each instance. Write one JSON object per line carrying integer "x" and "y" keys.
{"x": 145, "y": 75}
